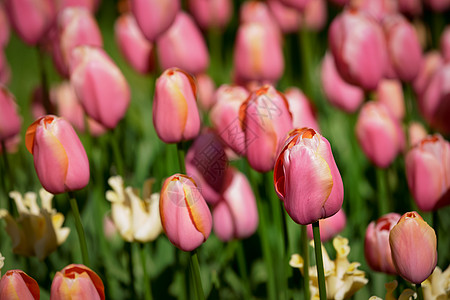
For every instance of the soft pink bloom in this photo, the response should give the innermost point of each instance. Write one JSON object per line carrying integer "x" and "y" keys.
{"x": 340, "y": 93}
{"x": 59, "y": 157}
{"x": 211, "y": 13}
{"x": 412, "y": 8}
{"x": 256, "y": 11}
{"x": 236, "y": 215}
{"x": 10, "y": 121}
{"x": 377, "y": 8}
{"x": 16, "y": 284}
{"x": 183, "y": 46}
{"x": 430, "y": 63}
{"x": 12, "y": 144}
{"x": 206, "y": 90}
{"x": 99, "y": 85}
{"x": 77, "y": 281}
{"x": 428, "y": 172}
{"x": 297, "y": 4}
{"x": 379, "y": 134}
{"x": 390, "y": 93}
{"x": 91, "y": 5}
{"x": 4, "y": 27}
{"x": 306, "y": 177}
{"x": 329, "y": 227}
{"x": 315, "y": 15}
{"x": 301, "y": 108}
{"x": 154, "y": 17}
{"x": 445, "y": 43}
{"x": 287, "y": 18}
{"x": 5, "y": 71}
{"x": 438, "y": 5}
{"x": 416, "y": 133}
{"x": 376, "y": 243}
{"x": 265, "y": 120}
{"x": 413, "y": 246}
{"x": 185, "y": 216}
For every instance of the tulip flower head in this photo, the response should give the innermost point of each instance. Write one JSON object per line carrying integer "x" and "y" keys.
{"x": 10, "y": 121}
{"x": 329, "y": 227}
{"x": 16, "y": 284}
{"x": 437, "y": 285}
{"x": 306, "y": 177}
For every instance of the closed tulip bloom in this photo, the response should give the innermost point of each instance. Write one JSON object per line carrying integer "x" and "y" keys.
{"x": 266, "y": 119}
{"x": 411, "y": 8}
{"x": 428, "y": 173}
{"x": 10, "y": 121}
{"x": 287, "y": 18}
{"x": 329, "y": 227}
{"x": 315, "y": 15}
{"x": 430, "y": 63}
{"x": 303, "y": 114}
{"x": 175, "y": 96}
{"x": 206, "y": 89}
{"x": 100, "y": 85}
{"x": 4, "y": 27}
{"x": 90, "y": 5}
{"x": 211, "y": 13}
{"x": 185, "y": 216}
{"x": 17, "y": 285}
{"x": 377, "y": 8}
{"x": 256, "y": 11}
{"x": 339, "y": 93}
{"x": 297, "y": 4}
{"x": 59, "y": 157}
{"x": 306, "y": 177}
{"x": 416, "y": 133}
{"x": 77, "y": 281}
{"x": 445, "y": 44}
{"x": 438, "y": 5}
{"x": 376, "y": 244}
{"x": 413, "y": 247}
{"x": 390, "y": 93}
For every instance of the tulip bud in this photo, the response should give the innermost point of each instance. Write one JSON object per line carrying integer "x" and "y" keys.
{"x": 416, "y": 133}
{"x": 306, "y": 177}
{"x": 4, "y": 27}
{"x": 185, "y": 216}
{"x": 315, "y": 15}
{"x": 445, "y": 44}
{"x": 90, "y": 5}
{"x": 266, "y": 120}
{"x": 60, "y": 160}
{"x": 413, "y": 247}
{"x": 390, "y": 93}
{"x": 99, "y": 85}
{"x": 206, "y": 89}
{"x": 329, "y": 227}
{"x": 377, "y": 8}
{"x": 77, "y": 281}
{"x": 16, "y": 284}
{"x": 175, "y": 96}
{"x": 211, "y": 13}
{"x": 431, "y": 62}
{"x": 410, "y": 8}
{"x": 438, "y": 5}
{"x": 287, "y": 18}
{"x": 376, "y": 244}
{"x": 256, "y": 11}
{"x": 10, "y": 121}
{"x": 301, "y": 108}
{"x": 297, "y": 4}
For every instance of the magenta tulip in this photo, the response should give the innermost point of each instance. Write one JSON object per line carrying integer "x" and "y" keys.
{"x": 377, "y": 8}
{"x": 16, "y": 284}
{"x": 431, "y": 62}
{"x": 211, "y": 13}
{"x": 256, "y": 11}
{"x": 10, "y": 121}
{"x": 315, "y": 15}
{"x": 90, "y": 5}
{"x": 438, "y": 5}
{"x": 301, "y": 108}
{"x": 329, "y": 227}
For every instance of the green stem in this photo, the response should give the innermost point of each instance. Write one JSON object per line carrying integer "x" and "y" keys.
{"x": 80, "y": 230}
{"x": 147, "y": 282}
{"x": 215, "y": 45}
{"x": 319, "y": 261}
{"x": 383, "y": 198}
{"x": 180, "y": 152}
{"x": 116, "y": 152}
{"x": 305, "y": 253}
{"x": 195, "y": 275}
{"x": 49, "y": 108}
{"x": 304, "y": 40}
{"x": 243, "y": 269}
{"x": 419, "y": 291}
{"x": 129, "y": 250}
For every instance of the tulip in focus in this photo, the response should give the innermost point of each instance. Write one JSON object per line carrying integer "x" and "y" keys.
{"x": 390, "y": 93}
{"x": 10, "y": 121}
{"x": 303, "y": 114}
{"x": 16, "y": 284}
{"x": 329, "y": 227}
{"x": 185, "y": 216}
{"x": 175, "y": 96}
{"x": 77, "y": 281}
{"x": 413, "y": 246}
{"x": 306, "y": 177}
{"x": 211, "y": 13}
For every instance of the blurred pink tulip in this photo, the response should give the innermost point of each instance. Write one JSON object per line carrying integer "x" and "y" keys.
{"x": 266, "y": 120}
{"x": 445, "y": 43}
{"x": 4, "y": 27}
{"x": 185, "y": 216}
{"x": 12, "y": 144}
{"x": 341, "y": 94}
{"x": 15, "y": 285}
{"x": 183, "y": 46}
{"x": 175, "y": 96}
{"x": 306, "y": 177}
{"x": 135, "y": 48}
{"x": 206, "y": 89}
{"x": 329, "y": 227}
{"x": 430, "y": 63}
{"x": 297, "y": 4}
{"x": 90, "y": 5}
{"x": 301, "y": 108}
{"x": 315, "y": 15}
{"x": 211, "y": 13}
{"x": 287, "y": 18}
{"x": 60, "y": 160}
{"x": 99, "y": 85}
{"x": 411, "y": 8}
{"x": 256, "y": 11}
{"x": 416, "y": 133}
{"x": 154, "y": 17}
{"x": 10, "y": 121}
{"x": 376, "y": 244}
{"x": 377, "y": 8}
{"x": 428, "y": 173}
{"x": 438, "y": 5}
{"x": 413, "y": 247}
{"x": 390, "y": 93}
{"x": 236, "y": 215}
{"x": 379, "y": 133}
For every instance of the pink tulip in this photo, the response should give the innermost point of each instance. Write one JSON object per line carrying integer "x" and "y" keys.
{"x": 60, "y": 160}
{"x": 303, "y": 114}
{"x": 377, "y": 8}
{"x": 154, "y": 17}
{"x": 256, "y": 11}
{"x": 411, "y": 8}
{"x": 297, "y": 4}
{"x": 315, "y": 15}
{"x": 136, "y": 49}
{"x": 90, "y": 5}
{"x": 99, "y": 85}
{"x": 12, "y": 144}
{"x": 306, "y": 177}
{"x": 416, "y": 133}
{"x": 15, "y": 284}
{"x": 236, "y": 215}
{"x": 265, "y": 120}
{"x": 445, "y": 44}
{"x": 438, "y": 5}
{"x": 379, "y": 133}
{"x": 430, "y": 63}
{"x": 211, "y": 13}
{"x": 287, "y": 18}
{"x": 10, "y": 121}
{"x": 428, "y": 172}
{"x": 4, "y": 27}
{"x": 341, "y": 94}
{"x": 329, "y": 227}
{"x": 77, "y": 281}
{"x": 376, "y": 244}
{"x": 206, "y": 89}
{"x": 390, "y": 93}
{"x": 183, "y": 46}
{"x": 359, "y": 48}
{"x": 413, "y": 246}
{"x": 185, "y": 217}
{"x": 175, "y": 96}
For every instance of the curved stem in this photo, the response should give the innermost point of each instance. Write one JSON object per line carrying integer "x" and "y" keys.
{"x": 319, "y": 261}
{"x": 80, "y": 230}
{"x": 419, "y": 291}
{"x": 180, "y": 152}
{"x": 195, "y": 273}
{"x": 305, "y": 253}
{"x": 147, "y": 283}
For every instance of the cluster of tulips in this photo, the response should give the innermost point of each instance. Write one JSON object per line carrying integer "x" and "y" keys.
{"x": 246, "y": 137}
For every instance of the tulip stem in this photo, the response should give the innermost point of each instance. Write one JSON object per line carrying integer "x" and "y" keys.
{"x": 116, "y": 152}
{"x": 305, "y": 252}
{"x": 383, "y": 198}
{"x": 243, "y": 269}
{"x": 147, "y": 282}
{"x": 44, "y": 83}
{"x": 180, "y": 152}
{"x": 419, "y": 291}
{"x": 215, "y": 48}
{"x": 129, "y": 251}
{"x": 80, "y": 230}
{"x": 195, "y": 273}
{"x": 319, "y": 261}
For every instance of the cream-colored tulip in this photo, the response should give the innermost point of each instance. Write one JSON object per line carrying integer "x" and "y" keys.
{"x": 136, "y": 219}
{"x": 390, "y": 295}
{"x": 342, "y": 278}
{"x": 2, "y": 259}
{"x": 38, "y": 230}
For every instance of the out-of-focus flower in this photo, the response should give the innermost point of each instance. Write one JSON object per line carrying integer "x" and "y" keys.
{"x": 175, "y": 96}
{"x": 38, "y": 231}
{"x": 438, "y": 5}
{"x": 390, "y": 288}
{"x": 445, "y": 44}
{"x": 416, "y": 133}
{"x": 428, "y": 172}
{"x": 59, "y": 157}
{"x": 109, "y": 228}
{"x": 136, "y": 219}
{"x": 11, "y": 145}
{"x": 297, "y": 4}
{"x": 342, "y": 278}
{"x": 329, "y": 227}
{"x": 413, "y": 247}
{"x": 430, "y": 63}
{"x": 315, "y": 15}
{"x": 77, "y": 281}
{"x": 2, "y": 263}
{"x": 206, "y": 89}
{"x": 5, "y": 70}
{"x": 91, "y": 5}
{"x": 256, "y": 11}
{"x": 287, "y": 18}
{"x": 437, "y": 286}
{"x": 377, "y": 8}
{"x": 185, "y": 216}
{"x": 211, "y": 13}
{"x": 16, "y": 284}
{"x": 301, "y": 108}
{"x": 390, "y": 93}
{"x": 411, "y": 8}
{"x": 10, "y": 121}
{"x": 306, "y": 177}
{"x": 4, "y": 27}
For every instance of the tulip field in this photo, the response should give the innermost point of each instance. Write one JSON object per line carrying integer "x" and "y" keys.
{"x": 225, "y": 149}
